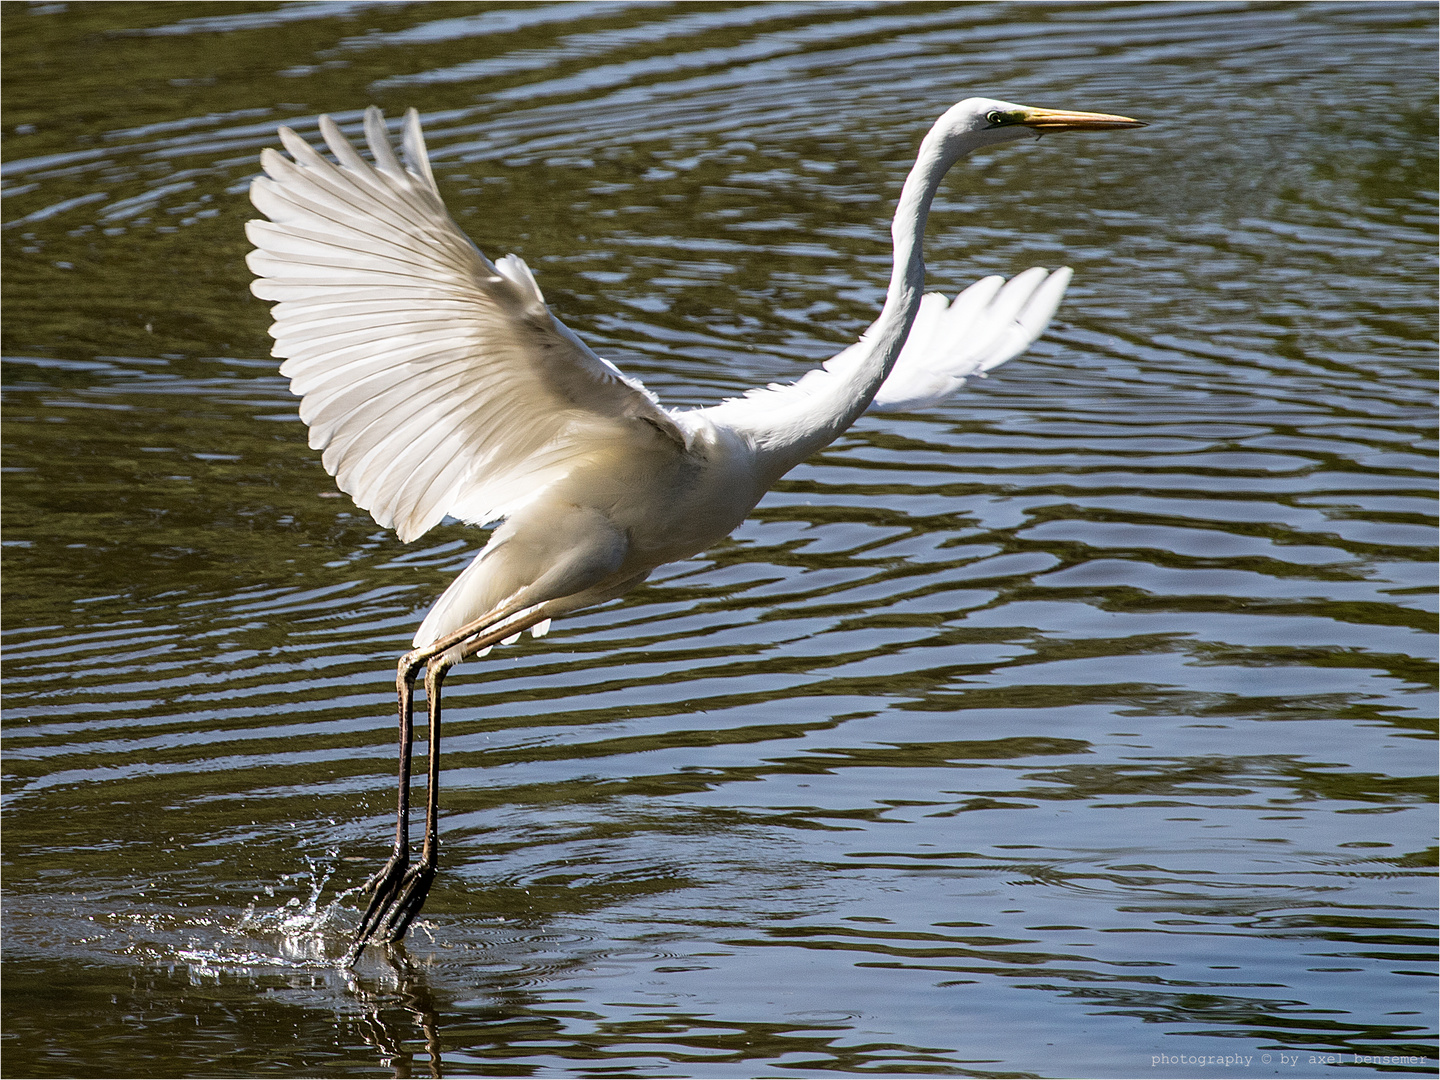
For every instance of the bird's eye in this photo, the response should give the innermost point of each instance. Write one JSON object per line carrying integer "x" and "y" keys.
{"x": 995, "y": 119}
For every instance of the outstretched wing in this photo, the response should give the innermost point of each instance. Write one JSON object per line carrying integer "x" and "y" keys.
{"x": 992, "y": 321}
{"x": 435, "y": 381}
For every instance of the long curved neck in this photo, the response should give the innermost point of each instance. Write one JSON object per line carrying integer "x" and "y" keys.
{"x": 886, "y": 335}
{"x": 788, "y": 424}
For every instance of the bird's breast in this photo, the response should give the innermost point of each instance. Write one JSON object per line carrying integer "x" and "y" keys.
{"x": 670, "y": 503}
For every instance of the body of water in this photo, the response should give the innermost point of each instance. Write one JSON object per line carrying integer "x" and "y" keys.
{"x": 1080, "y": 726}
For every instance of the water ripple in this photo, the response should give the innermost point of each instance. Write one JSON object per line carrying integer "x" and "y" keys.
{"x": 1070, "y": 723}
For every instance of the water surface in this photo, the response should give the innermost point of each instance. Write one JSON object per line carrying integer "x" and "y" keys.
{"x": 1080, "y": 726}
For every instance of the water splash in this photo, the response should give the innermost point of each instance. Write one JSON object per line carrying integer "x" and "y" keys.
{"x": 299, "y": 930}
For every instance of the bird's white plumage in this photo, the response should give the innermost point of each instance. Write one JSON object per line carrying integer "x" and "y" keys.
{"x": 992, "y": 321}
{"x": 435, "y": 381}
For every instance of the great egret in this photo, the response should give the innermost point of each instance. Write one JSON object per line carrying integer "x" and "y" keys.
{"x": 438, "y": 383}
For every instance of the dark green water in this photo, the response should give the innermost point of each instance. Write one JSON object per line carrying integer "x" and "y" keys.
{"x": 1080, "y": 726}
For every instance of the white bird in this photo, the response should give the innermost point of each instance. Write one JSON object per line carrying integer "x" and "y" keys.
{"x": 439, "y": 383}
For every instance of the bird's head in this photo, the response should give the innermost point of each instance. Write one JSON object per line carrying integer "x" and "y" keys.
{"x": 977, "y": 122}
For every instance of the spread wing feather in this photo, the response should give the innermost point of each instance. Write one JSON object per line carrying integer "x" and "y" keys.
{"x": 434, "y": 381}
{"x": 991, "y": 321}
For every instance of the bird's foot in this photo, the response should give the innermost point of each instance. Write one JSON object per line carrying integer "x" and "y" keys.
{"x": 383, "y": 886}
{"x": 390, "y": 872}
{"x": 398, "y": 892}
{"x": 410, "y": 899}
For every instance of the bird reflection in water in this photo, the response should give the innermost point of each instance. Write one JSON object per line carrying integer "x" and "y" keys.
{"x": 393, "y": 1036}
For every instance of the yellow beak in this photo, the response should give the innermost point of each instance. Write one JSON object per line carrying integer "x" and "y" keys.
{"x": 1043, "y": 120}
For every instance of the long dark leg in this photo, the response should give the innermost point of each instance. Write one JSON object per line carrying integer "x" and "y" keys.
{"x": 396, "y": 899}
{"x": 435, "y": 673}
{"x": 384, "y": 884}
{"x": 418, "y": 879}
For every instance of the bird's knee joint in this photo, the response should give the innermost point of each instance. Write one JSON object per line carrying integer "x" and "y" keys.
{"x": 409, "y": 666}
{"x": 437, "y": 667}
